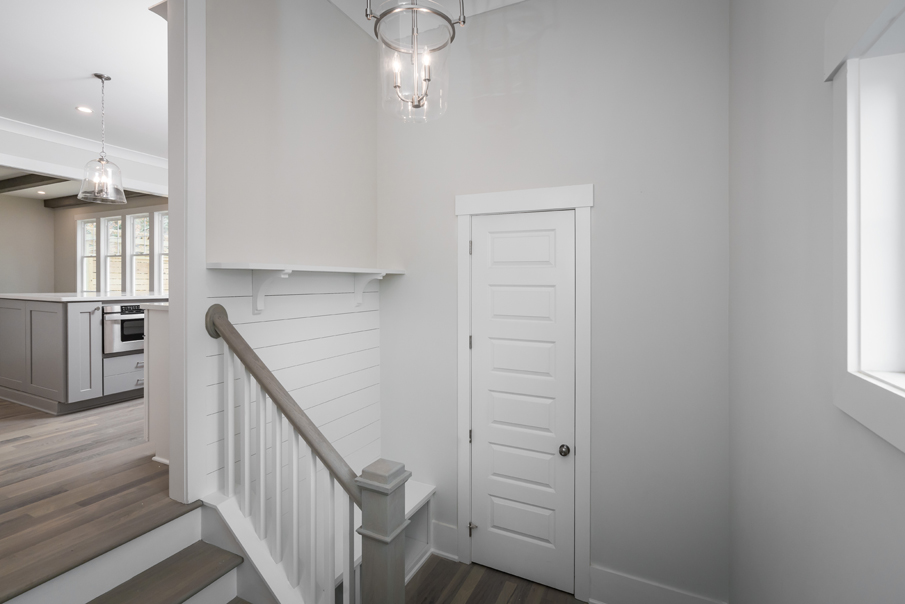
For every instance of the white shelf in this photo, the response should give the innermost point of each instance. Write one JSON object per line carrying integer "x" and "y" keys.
{"x": 298, "y": 268}
{"x": 416, "y": 495}
{"x": 263, "y": 274}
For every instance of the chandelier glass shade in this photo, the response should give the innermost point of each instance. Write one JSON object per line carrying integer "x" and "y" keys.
{"x": 103, "y": 181}
{"x": 415, "y": 38}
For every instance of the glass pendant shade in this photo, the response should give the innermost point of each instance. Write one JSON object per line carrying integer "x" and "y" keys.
{"x": 103, "y": 183}
{"x": 415, "y": 39}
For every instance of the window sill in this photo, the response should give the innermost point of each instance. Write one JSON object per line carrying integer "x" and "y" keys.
{"x": 874, "y": 399}
{"x": 894, "y": 381}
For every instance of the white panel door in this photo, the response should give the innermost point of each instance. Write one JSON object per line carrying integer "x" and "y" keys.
{"x": 523, "y": 395}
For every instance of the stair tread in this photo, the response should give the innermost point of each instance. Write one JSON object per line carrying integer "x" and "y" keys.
{"x": 176, "y": 579}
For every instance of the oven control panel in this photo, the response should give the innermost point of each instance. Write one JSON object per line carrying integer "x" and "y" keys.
{"x": 131, "y": 309}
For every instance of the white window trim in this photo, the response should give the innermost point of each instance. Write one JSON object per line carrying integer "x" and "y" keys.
{"x": 102, "y": 276}
{"x": 579, "y": 198}
{"x": 156, "y": 265}
{"x": 876, "y": 400}
{"x": 80, "y": 254}
{"x": 129, "y": 247}
{"x": 101, "y": 248}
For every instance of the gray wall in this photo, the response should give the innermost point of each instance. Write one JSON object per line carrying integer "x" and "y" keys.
{"x": 817, "y": 514}
{"x": 65, "y": 234}
{"x": 631, "y": 96}
{"x": 26, "y": 245}
{"x": 291, "y": 138}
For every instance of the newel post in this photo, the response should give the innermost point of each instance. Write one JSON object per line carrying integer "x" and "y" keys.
{"x": 383, "y": 532}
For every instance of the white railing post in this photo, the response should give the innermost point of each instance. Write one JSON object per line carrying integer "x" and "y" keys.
{"x": 329, "y": 553}
{"x": 311, "y": 595}
{"x": 277, "y": 420}
{"x": 348, "y": 521}
{"x": 262, "y": 462}
{"x": 383, "y": 532}
{"x": 246, "y": 445}
{"x": 296, "y": 509}
{"x": 229, "y": 415}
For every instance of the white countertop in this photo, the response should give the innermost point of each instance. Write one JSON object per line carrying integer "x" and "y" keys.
{"x": 165, "y": 306}
{"x": 80, "y": 297}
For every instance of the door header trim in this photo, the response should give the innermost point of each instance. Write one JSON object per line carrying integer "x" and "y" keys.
{"x": 532, "y": 200}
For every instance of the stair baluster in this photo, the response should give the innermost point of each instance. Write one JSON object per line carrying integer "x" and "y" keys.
{"x": 310, "y": 569}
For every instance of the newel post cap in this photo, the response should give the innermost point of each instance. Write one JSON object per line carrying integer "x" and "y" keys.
{"x": 383, "y": 476}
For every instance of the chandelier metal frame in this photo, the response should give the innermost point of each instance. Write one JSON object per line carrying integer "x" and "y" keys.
{"x": 420, "y": 89}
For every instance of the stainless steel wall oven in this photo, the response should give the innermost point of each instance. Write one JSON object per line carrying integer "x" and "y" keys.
{"x": 124, "y": 328}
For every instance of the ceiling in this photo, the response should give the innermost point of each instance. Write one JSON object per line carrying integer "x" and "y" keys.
{"x": 355, "y": 9}
{"x": 66, "y": 188}
{"x": 50, "y": 48}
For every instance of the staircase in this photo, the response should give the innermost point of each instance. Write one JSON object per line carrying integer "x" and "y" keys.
{"x": 192, "y": 558}
{"x": 201, "y": 574}
{"x": 280, "y": 530}
{"x": 297, "y": 527}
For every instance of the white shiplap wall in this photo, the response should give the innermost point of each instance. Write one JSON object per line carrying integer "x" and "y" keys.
{"x": 323, "y": 349}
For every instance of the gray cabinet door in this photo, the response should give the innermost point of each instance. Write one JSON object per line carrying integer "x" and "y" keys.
{"x": 85, "y": 348}
{"x": 12, "y": 344}
{"x": 45, "y": 350}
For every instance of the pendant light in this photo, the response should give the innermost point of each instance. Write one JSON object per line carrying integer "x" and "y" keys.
{"x": 415, "y": 37}
{"x": 103, "y": 182}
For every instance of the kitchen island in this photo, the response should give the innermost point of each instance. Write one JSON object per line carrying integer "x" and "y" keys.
{"x": 52, "y": 353}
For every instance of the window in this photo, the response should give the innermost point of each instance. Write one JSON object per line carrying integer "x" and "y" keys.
{"x": 880, "y": 226}
{"x": 868, "y": 368}
{"x": 112, "y": 279}
{"x": 162, "y": 262}
{"x": 124, "y": 252}
{"x": 88, "y": 255}
{"x": 140, "y": 263}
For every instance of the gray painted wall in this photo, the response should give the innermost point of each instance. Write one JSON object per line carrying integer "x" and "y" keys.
{"x": 291, "y": 135}
{"x": 817, "y": 514}
{"x": 632, "y": 96}
{"x": 26, "y": 245}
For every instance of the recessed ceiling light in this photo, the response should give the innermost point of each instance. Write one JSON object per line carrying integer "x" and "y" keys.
{"x": 85, "y": 109}
{"x": 42, "y": 193}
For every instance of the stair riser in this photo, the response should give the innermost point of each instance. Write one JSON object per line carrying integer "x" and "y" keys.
{"x": 105, "y": 572}
{"x": 220, "y": 591}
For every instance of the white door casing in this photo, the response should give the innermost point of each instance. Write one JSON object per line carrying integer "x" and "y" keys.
{"x": 523, "y": 395}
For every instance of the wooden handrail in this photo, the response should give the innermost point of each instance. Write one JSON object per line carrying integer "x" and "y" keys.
{"x": 218, "y": 325}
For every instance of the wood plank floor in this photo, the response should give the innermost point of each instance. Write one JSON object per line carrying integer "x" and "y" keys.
{"x": 442, "y": 581}
{"x": 73, "y": 487}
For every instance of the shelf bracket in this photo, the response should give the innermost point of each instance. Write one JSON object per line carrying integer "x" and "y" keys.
{"x": 361, "y": 281}
{"x": 260, "y": 283}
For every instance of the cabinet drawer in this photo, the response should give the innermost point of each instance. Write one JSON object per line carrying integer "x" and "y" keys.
{"x": 124, "y": 382}
{"x": 126, "y": 364}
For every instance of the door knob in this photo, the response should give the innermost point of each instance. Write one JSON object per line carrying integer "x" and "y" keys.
{"x": 564, "y": 450}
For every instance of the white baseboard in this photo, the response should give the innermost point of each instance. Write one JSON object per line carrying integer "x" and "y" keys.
{"x": 446, "y": 540}
{"x": 611, "y": 587}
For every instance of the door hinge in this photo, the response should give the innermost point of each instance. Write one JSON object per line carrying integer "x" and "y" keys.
{"x": 471, "y": 527}
{"x": 469, "y": 342}
{"x": 469, "y": 436}
{"x": 469, "y": 248}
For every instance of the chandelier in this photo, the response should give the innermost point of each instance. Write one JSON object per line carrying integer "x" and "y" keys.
{"x": 103, "y": 182}
{"x": 415, "y": 36}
